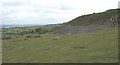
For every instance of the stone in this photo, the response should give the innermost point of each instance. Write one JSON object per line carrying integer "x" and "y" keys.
{"x": 28, "y": 58}
{"x": 55, "y": 38}
{"x": 44, "y": 48}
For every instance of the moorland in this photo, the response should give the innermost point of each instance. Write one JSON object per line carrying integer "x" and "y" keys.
{"x": 91, "y": 38}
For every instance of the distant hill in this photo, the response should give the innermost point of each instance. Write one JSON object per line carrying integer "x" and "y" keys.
{"x": 90, "y": 23}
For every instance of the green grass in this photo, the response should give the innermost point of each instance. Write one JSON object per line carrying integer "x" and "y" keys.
{"x": 100, "y": 47}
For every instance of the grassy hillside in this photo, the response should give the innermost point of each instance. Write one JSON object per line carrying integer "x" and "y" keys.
{"x": 109, "y": 16}
{"x": 90, "y": 23}
{"x": 95, "y": 47}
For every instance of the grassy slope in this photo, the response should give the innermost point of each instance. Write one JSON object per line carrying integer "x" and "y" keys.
{"x": 100, "y": 46}
{"x": 95, "y": 18}
{"x": 86, "y": 23}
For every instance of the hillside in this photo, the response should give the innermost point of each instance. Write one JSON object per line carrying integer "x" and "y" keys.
{"x": 40, "y": 44}
{"x": 96, "y": 47}
{"x": 90, "y": 23}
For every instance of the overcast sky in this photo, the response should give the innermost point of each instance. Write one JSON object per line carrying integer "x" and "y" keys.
{"x": 50, "y": 11}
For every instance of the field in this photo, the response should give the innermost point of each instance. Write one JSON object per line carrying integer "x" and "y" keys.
{"x": 94, "y": 47}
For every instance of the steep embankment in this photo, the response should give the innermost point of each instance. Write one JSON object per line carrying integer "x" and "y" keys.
{"x": 90, "y": 23}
